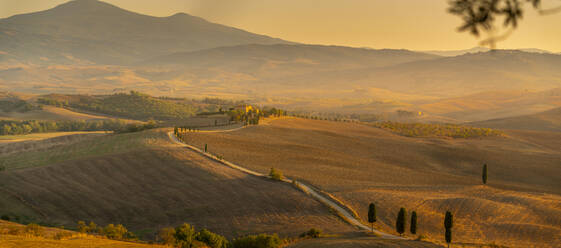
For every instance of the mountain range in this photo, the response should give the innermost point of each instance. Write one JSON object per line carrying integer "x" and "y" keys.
{"x": 92, "y": 31}
{"x": 92, "y": 47}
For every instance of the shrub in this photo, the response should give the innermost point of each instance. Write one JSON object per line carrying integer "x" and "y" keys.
{"x": 167, "y": 236}
{"x": 275, "y": 174}
{"x": 312, "y": 233}
{"x": 92, "y": 227}
{"x": 63, "y": 235}
{"x": 211, "y": 239}
{"x": 82, "y": 228}
{"x": 257, "y": 241}
{"x": 34, "y": 229}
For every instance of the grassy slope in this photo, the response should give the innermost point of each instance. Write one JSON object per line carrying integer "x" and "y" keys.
{"x": 41, "y": 136}
{"x": 134, "y": 105}
{"x": 47, "y": 240}
{"x": 89, "y": 146}
{"x": 361, "y": 164}
{"x": 145, "y": 182}
{"x": 49, "y": 113}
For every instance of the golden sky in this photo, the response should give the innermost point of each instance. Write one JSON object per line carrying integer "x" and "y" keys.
{"x": 408, "y": 24}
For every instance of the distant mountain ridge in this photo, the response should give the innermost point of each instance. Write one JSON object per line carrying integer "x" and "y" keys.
{"x": 306, "y": 55}
{"x": 453, "y": 53}
{"x": 98, "y": 32}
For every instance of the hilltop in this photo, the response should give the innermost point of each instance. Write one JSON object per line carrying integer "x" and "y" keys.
{"x": 92, "y": 31}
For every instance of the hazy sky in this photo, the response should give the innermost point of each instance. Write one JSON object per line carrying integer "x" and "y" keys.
{"x": 410, "y": 24}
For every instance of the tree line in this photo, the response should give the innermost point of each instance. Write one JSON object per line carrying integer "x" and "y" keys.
{"x": 8, "y": 127}
{"x": 134, "y": 105}
{"x": 441, "y": 130}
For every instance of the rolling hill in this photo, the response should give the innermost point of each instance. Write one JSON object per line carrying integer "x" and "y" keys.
{"x": 255, "y": 58}
{"x": 359, "y": 164}
{"x": 145, "y": 182}
{"x": 91, "y": 31}
{"x": 545, "y": 121}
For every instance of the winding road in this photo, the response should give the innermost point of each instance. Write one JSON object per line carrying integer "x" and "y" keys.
{"x": 305, "y": 188}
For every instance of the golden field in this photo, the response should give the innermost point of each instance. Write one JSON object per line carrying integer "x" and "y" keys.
{"x": 519, "y": 207}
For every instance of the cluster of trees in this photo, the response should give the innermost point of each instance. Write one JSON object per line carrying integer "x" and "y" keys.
{"x": 111, "y": 231}
{"x": 134, "y": 105}
{"x": 252, "y": 115}
{"x": 33, "y": 126}
{"x": 17, "y": 105}
{"x": 441, "y": 130}
{"x": 185, "y": 236}
{"x": 313, "y": 117}
{"x": 401, "y": 220}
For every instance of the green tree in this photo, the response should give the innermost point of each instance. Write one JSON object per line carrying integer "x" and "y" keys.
{"x": 82, "y": 228}
{"x": 401, "y": 219}
{"x": 206, "y": 147}
{"x": 211, "y": 239}
{"x": 372, "y": 215}
{"x": 115, "y": 231}
{"x": 184, "y": 235}
{"x": 413, "y": 227}
{"x": 484, "y": 174}
{"x": 92, "y": 227}
{"x": 167, "y": 236}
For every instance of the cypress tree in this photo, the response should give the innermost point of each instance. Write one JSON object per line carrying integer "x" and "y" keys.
{"x": 413, "y": 228}
{"x": 484, "y": 174}
{"x": 448, "y": 236}
{"x": 448, "y": 224}
{"x": 448, "y": 220}
{"x": 372, "y": 215}
{"x": 401, "y": 219}
{"x": 206, "y": 147}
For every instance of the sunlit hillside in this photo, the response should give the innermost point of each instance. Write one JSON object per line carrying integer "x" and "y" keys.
{"x": 361, "y": 164}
